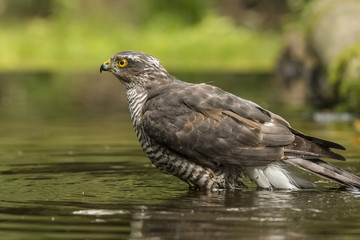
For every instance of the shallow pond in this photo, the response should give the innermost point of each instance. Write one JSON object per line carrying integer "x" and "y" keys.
{"x": 87, "y": 178}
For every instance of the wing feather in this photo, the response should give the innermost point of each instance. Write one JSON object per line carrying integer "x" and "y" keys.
{"x": 211, "y": 126}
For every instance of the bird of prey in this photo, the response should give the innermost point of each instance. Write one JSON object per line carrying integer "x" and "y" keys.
{"x": 212, "y": 139}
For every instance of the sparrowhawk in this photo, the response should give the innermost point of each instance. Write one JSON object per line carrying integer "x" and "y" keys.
{"x": 210, "y": 138}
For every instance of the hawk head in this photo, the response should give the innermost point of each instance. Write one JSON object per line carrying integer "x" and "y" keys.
{"x": 134, "y": 68}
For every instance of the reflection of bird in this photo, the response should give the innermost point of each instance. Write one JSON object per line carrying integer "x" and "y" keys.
{"x": 210, "y": 138}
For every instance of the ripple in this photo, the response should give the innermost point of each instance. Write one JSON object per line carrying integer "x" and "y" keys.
{"x": 100, "y": 212}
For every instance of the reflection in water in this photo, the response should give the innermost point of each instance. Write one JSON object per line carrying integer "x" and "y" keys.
{"x": 253, "y": 215}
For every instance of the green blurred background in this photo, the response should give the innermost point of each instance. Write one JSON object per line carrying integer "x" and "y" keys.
{"x": 68, "y": 35}
{"x": 51, "y": 50}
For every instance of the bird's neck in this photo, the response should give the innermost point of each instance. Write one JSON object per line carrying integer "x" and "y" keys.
{"x": 136, "y": 98}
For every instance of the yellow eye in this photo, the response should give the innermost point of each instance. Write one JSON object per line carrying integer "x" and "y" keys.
{"x": 122, "y": 62}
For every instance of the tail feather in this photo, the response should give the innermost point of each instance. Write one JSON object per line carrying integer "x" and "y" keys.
{"x": 326, "y": 170}
{"x": 319, "y": 141}
{"x": 309, "y": 147}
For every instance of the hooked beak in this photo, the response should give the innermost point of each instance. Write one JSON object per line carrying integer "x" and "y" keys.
{"x": 105, "y": 66}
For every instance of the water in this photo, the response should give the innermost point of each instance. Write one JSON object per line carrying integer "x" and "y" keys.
{"x": 74, "y": 177}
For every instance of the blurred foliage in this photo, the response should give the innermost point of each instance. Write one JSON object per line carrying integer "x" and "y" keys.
{"x": 334, "y": 36}
{"x": 51, "y": 50}
{"x": 344, "y": 75}
{"x": 322, "y": 55}
{"x": 71, "y": 35}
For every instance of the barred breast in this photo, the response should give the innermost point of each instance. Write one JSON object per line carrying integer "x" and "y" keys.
{"x": 166, "y": 161}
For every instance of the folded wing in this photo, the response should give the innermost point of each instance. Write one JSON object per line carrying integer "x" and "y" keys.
{"x": 210, "y": 126}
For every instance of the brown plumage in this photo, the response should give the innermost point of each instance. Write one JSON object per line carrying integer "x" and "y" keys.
{"x": 211, "y": 138}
